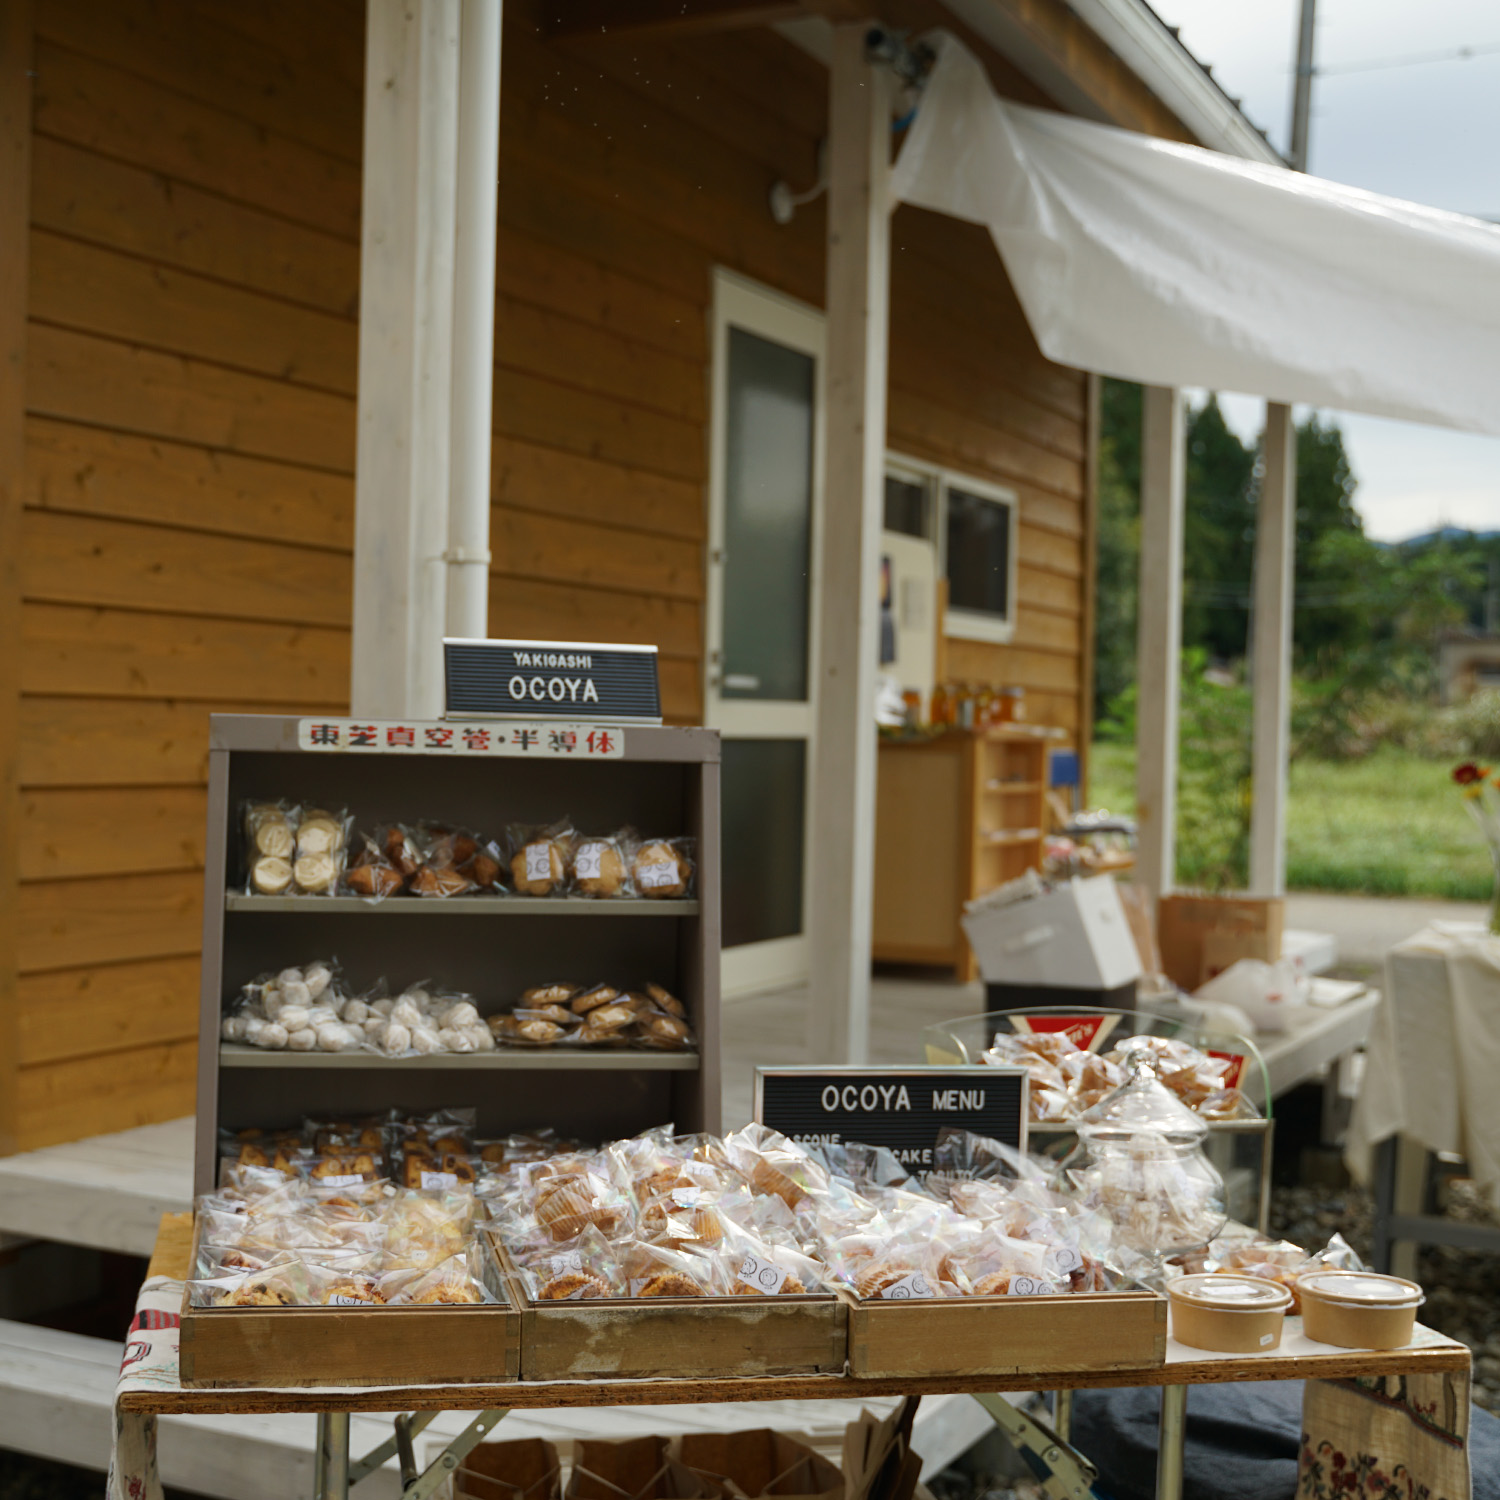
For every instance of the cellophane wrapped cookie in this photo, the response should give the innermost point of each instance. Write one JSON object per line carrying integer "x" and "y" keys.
{"x": 541, "y": 861}
{"x": 296, "y": 1010}
{"x": 270, "y": 846}
{"x": 321, "y": 851}
{"x": 371, "y": 873}
{"x": 663, "y": 869}
{"x": 601, "y": 864}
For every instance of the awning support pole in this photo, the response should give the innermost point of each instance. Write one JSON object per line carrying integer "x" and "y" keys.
{"x": 468, "y": 556}
{"x": 405, "y": 356}
{"x": 1271, "y": 651}
{"x": 1159, "y": 634}
{"x": 842, "y": 826}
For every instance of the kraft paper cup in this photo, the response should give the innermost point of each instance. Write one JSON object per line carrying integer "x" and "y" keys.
{"x": 1229, "y": 1314}
{"x": 1359, "y": 1309}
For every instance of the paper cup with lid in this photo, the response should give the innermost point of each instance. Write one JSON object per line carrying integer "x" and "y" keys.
{"x": 1359, "y": 1309}
{"x": 1228, "y": 1314}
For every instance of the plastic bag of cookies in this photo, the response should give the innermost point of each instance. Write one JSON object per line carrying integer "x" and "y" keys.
{"x": 270, "y": 846}
{"x": 663, "y": 869}
{"x": 601, "y": 866}
{"x": 541, "y": 861}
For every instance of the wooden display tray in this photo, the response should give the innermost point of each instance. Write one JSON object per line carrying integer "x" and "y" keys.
{"x": 311, "y": 1346}
{"x": 685, "y": 1337}
{"x": 962, "y": 1336}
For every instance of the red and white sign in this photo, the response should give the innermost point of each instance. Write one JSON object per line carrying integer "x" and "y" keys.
{"x": 1087, "y": 1033}
{"x": 1236, "y": 1069}
{"x": 429, "y": 737}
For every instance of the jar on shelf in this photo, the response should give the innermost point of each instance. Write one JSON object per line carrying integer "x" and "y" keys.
{"x": 1140, "y": 1160}
{"x": 1012, "y": 705}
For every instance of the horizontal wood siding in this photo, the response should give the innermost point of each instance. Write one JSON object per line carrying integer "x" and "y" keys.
{"x": 189, "y": 432}
{"x": 188, "y": 490}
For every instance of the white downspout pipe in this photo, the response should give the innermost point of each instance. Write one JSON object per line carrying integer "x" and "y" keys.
{"x": 468, "y": 554}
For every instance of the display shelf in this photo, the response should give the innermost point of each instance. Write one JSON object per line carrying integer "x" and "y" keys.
{"x": 493, "y": 906}
{"x": 560, "y": 1060}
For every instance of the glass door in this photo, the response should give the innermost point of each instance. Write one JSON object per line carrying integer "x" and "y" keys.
{"x": 765, "y": 469}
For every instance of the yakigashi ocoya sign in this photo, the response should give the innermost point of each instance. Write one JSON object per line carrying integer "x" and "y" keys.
{"x": 551, "y": 679}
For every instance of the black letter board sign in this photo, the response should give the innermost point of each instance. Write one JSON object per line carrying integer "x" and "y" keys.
{"x": 903, "y": 1109}
{"x": 551, "y": 680}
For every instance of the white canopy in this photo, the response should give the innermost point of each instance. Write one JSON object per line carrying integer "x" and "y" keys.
{"x": 1173, "y": 265}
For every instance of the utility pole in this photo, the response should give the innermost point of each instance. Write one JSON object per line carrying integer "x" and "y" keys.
{"x": 1302, "y": 91}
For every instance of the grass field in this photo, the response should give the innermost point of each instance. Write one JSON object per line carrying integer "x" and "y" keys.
{"x": 1388, "y": 825}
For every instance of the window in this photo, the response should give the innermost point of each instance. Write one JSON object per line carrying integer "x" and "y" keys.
{"x": 973, "y": 526}
{"x": 979, "y": 535}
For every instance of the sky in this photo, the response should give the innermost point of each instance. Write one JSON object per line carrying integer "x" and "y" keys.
{"x": 1426, "y": 130}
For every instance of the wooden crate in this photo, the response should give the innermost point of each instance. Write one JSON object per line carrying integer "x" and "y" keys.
{"x": 1004, "y": 1335}
{"x": 679, "y": 1336}
{"x": 295, "y": 1346}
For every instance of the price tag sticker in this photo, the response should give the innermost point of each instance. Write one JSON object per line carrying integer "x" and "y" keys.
{"x": 569, "y": 1260}
{"x": 539, "y": 861}
{"x": 1026, "y": 1286}
{"x": 764, "y": 1275}
{"x": 1063, "y": 1260}
{"x": 654, "y": 876}
{"x": 915, "y": 1285}
{"x": 343, "y": 1299}
{"x": 588, "y": 864}
{"x": 347, "y": 1179}
{"x": 436, "y": 1182}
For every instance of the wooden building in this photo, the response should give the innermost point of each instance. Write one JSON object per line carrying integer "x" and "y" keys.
{"x": 180, "y": 222}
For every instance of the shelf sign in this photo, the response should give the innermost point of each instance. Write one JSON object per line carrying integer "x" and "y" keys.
{"x": 902, "y": 1109}
{"x": 1087, "y": 1032}
{"x": 551, "y": 680}
{"x": 540, "y": 741}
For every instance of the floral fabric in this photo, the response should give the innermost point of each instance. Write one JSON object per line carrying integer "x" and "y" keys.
{"x": 1390, "y": 1437}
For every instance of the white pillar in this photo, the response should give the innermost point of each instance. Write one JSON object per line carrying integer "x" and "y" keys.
{"x": 474, "y": 319}
{"x": 405, "y": 356}
{"x": 1271, "y": 651}
{"x": 842, "y": 827}
{"x": 1159, "y": 634}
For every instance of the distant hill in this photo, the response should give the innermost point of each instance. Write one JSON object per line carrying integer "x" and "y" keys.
{"x": 1444, "y": 534}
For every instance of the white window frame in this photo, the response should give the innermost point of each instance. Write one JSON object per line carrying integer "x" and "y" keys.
{"x": 966, "y": 624}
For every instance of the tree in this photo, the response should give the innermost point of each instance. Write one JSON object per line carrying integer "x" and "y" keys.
{"x": 1330, "y": 618}
{"x": 1218, "y": 536}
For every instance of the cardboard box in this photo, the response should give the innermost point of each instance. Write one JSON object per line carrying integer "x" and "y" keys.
{"x": 761, "y": 1463}
{"x": 523, "y": 1469}
{"x": 1200, "y": 936}
{"x": 1076, "y": 937}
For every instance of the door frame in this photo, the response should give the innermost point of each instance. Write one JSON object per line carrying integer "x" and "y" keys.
{"x": 777, "y": 963}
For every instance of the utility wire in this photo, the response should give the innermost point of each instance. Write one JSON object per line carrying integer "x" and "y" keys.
{"x": 1413, "y": 59}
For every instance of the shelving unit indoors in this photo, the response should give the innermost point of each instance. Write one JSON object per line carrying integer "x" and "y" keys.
{"x": 665, "y": 784}
{"x": 955, "y": 817}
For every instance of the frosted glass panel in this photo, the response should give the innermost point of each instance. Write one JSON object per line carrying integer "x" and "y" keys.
{"x": 767, "y": 519}
{"x": 761, "y": 810}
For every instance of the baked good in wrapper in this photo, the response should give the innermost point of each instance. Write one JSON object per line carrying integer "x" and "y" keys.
{"x": 541, "y": 861}
{"x": 662, "y": 869}
{"x": 601, "y": 866}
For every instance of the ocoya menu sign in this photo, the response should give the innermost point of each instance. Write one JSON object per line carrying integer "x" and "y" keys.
{"x": 902, "y": 1109}
{"x": 551, "y": 680}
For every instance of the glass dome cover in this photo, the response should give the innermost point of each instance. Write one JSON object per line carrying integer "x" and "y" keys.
{"x": 1142, "y": 1104}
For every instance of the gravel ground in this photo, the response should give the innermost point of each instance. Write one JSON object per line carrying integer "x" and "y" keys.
{"x": 1463, "y": 1286}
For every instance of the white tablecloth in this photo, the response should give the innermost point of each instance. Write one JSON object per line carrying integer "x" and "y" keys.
{"x": 1432, "y": 1069}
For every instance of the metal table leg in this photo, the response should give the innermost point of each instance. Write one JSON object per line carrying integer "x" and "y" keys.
{"x": 333, "y": 1455}
{"x": 1171, "y": 1442}
{"x": 1062, "y": 1414}
{"x": 1062, "y": 1471}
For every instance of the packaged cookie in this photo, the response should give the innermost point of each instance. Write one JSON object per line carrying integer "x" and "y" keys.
{"x": 662, "y": 1031}
{"x": 322, "y": 839}
{"x": 371, "y": 874}
{"x": 662, "y": 869}
{"x": 541, "y": 862}
{"x": 601, "y": 866}
{"x": 270, "y": 846}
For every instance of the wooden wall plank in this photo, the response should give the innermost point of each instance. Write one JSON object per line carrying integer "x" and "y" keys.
{"x": 16, "y": 46}
{"x": 1040, "y": 548}
{"x": 529, "y": 269}
{"x": 80, "y": 1012}
{"x": 71, "y": 923}
{"x": 75, "y": 832}
{"x": 1036, "y": 589}
{"x": 94, "y": 290}
{"x": 125, "y": 207}
{"x": 558, "y": 416}
{"x": 681, "y": 692}
{"x": 91, "y": 471}
{"x": 536, "y": 341}
{"x": 125, "y": 116}
{"x": 106, "y": 653}
{"x": 66, "y": 1101}
{"x": 198, "y": 55}
{"x": 79, "y": 378}
{"x": 522, "y": 608}
{"x": 591, "y": 556}
{"x": 90, "y": 560}
{"x": 525, "y": 476}
{"x": 113, "y": 742}
{"x": 316, "y": 40}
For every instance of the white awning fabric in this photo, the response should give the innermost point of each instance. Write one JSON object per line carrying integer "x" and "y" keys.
{"x": 1173, "y": 265}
